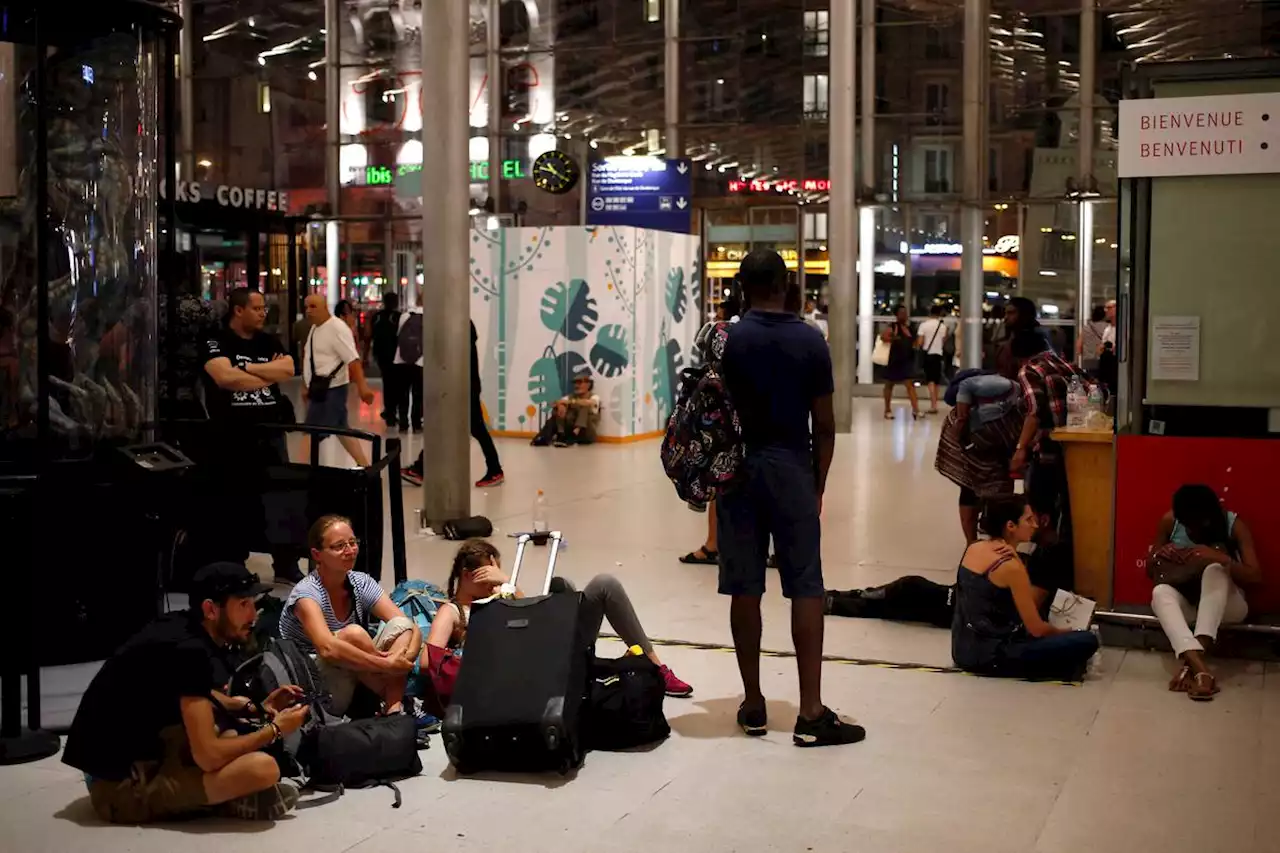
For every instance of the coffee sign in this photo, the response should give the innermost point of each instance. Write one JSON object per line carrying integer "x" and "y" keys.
{"x": 226, "y": 195}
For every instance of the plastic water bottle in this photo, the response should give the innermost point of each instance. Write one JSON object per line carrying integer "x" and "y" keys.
{"x": 540, "y": 524}
{"x": 1077, "y": 403}
{"x": 1097, "y": 406}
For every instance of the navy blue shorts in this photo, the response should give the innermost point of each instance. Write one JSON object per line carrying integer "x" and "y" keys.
{"x": 330, "y": 412}
{"x": 777, "y": 498}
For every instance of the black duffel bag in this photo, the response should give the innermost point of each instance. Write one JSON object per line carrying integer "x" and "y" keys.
{"x": 624, "y": 704}
{"x": 361, "y": 753}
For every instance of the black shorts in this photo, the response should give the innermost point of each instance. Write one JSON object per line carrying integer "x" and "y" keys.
{"x": 933, "y": 369}
{"x": 776, "y": 498}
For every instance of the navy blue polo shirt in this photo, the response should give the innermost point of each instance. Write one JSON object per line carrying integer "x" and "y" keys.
{"x": 775, "y": 366}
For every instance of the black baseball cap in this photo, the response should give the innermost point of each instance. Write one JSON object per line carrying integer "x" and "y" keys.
{"x": 220, "y": 581}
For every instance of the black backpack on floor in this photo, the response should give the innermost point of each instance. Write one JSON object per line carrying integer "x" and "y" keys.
{"x": 624, "y": 706}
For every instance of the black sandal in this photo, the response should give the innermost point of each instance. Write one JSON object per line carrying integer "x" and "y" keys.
{"x": 701, "y": 557}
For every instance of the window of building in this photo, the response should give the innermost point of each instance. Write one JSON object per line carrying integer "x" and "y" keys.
{"x": 815, "y": 96}
{"x": 815, "y": 228}
{"x": 993, "y": 169}
{"x": 937, "y": 170}
{"x": 264, "y": 97}
{"x": 817, "y": 33}
{"x": 936, "y": 43}
{"x": 653, "y": 11}
{"x": 936, "y": 97}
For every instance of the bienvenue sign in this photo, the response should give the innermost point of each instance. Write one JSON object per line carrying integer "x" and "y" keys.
{"x": 1208, "y": 135}
{"x": 243, "y": 198}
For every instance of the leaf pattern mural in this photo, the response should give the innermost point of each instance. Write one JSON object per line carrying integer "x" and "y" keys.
{"x": 677, "y": 296}
{"x": 569, "y": 309}
{"x": 611, "y": 353}
{"x": 668, "y": 361}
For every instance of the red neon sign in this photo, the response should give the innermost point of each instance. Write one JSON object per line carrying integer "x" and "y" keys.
{"x": 782, "y": 185}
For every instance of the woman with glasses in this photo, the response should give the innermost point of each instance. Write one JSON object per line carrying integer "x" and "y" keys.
{"x": 328, "y": 614}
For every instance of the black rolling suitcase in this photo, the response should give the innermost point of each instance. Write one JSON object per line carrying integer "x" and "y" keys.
{"x": 522, "y": 683}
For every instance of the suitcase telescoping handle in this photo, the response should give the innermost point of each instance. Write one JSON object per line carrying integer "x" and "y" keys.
{"x": 524, "y": 540}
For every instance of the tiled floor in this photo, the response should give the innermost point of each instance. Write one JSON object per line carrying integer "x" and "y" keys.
{"x": 951, "y": 762}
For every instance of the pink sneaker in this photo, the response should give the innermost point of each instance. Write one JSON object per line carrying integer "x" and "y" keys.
{"x": 675, "y": 687}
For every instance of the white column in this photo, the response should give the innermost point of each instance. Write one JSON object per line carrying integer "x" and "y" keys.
{"x": 496, "y": 88}
{"x": 446, "y": 339}
{"x": 671, "y": 80}
{"x": 976, "y": 44}
{"x": 332, "y": 262}
{"x": 1084, "y": 159}
{"x": 842, "y": 231}
{"x": 867, "y": 213}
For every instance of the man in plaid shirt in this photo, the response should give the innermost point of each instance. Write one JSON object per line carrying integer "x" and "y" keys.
{"x": 1043, "y": 377}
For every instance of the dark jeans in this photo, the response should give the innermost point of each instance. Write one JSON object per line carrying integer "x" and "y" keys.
{"x": 408, "y": 388}
{"x": 387, "y": 369}
{"x": 480, "y": 432}
{"x": 908, "y": 599}
{"x": 1062, "y": 657}
{"x": 245, "y": 460}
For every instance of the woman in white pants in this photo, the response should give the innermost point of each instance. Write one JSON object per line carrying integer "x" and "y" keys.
{"x": 1199, "y": 530}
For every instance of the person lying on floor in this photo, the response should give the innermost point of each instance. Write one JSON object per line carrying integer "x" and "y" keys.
{"x": 998, "y": 628}
{"x": 1200, "y": 556}
{"x": 146, "y": 734}
{"x": 328, "y": 614}
{"x": 917, "y": 599}
{"x": 477, "y": 575}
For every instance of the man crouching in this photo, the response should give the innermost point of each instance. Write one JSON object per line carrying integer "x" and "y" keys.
{"x": 145, "y": 734}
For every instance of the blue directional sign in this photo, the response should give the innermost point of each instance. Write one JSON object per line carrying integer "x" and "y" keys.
{"x": 643, "y": 192}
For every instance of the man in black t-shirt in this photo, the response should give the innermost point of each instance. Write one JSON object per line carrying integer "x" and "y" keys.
{"x": 146, "y": 735}
{"x": 243, "y": 369}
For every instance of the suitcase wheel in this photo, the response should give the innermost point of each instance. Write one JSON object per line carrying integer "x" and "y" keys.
{"x": 552, "y": 737}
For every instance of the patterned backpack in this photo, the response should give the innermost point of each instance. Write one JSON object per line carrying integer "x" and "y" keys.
{"x": 703, "y": 450}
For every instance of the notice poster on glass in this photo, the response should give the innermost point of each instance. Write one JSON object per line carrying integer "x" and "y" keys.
{"x": 8, "y": 133}
{"x": 1175, "y": 349}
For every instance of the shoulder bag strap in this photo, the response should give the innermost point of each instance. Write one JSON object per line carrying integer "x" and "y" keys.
{"x": 936, "y": 331}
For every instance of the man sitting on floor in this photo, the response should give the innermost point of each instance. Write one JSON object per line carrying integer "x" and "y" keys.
{"x": 918, "y": 599}
{"x": 146, "y": 734}
{"x": 577, "y": 417}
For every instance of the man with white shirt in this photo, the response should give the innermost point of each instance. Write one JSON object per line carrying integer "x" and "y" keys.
{"x": 1109, "y": 334}
{"x": 330, "y": 362}
{"x": 931, "y": 338}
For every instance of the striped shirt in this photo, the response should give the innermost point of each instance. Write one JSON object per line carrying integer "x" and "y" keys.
{"x": 365, "y": 593}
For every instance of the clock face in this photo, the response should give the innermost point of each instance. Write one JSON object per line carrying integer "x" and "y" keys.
{"x": 556, "y": 172}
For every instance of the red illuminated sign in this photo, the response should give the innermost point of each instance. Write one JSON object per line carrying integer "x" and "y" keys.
{"x": 782, "y": 185}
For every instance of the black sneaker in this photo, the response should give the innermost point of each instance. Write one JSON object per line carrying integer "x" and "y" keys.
{"x": 827, "y": 730}
{"x": 754, "y": 722}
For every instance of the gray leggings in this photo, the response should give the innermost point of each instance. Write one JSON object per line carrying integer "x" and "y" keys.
{"x": 604, "y": 598}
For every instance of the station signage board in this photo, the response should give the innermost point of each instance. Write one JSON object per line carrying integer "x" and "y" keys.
{"x": 1204, "y": 135}
{"x": 643, "y": 192}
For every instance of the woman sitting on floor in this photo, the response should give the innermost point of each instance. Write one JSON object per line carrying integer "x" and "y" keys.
{"x": 329, "y": 612}
{"x": 1200, "y": 554}
{"x": 477, "y": 575}
{"x": 998, "y": 629}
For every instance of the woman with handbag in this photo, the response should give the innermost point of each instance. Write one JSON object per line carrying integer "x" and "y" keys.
{"x": 477, "y": 575}
{"x": 1200, "y": 555}
{"x": 901, "y": 367}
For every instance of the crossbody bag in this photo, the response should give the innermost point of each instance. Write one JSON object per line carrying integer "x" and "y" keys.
{"x": 318, "y": 388}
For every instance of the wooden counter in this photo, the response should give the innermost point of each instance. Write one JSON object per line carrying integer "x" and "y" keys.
{"x": 1090, "y": 461}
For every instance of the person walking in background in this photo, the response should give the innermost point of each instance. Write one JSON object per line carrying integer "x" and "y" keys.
{"x": 1089, "y": 344}
{"x": 301, "y": 328}
{"x": 243, "y": 369}
{"x": 931, "y": 338}
{"x": 493, "y": 475}
{"x": 330, "y": 362}
{"x": 902, "y": 362}
{"x": 407, "y": 367}
{"x": 777, "y": 371}
{"x": 385, "y": 337}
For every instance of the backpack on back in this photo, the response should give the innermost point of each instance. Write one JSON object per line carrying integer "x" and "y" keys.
{"x": 385, "y": 337}
{"x": 703, "y": 450}
{"x": 409, "y": 340}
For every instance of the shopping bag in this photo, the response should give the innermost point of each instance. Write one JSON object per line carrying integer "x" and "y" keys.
{"x": 880, "y": 355}
{"x": 1071, "y": 612}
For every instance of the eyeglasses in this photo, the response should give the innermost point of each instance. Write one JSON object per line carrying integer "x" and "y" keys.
{"x": 339, "y": 547}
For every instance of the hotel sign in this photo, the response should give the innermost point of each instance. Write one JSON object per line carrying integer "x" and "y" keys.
{"x": 1208, "y": 135}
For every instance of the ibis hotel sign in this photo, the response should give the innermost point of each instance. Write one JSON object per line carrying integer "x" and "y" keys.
{"x": 1208, "y": 135}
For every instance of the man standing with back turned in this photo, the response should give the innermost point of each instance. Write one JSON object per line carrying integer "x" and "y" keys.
{"x": 777, "y": 370}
